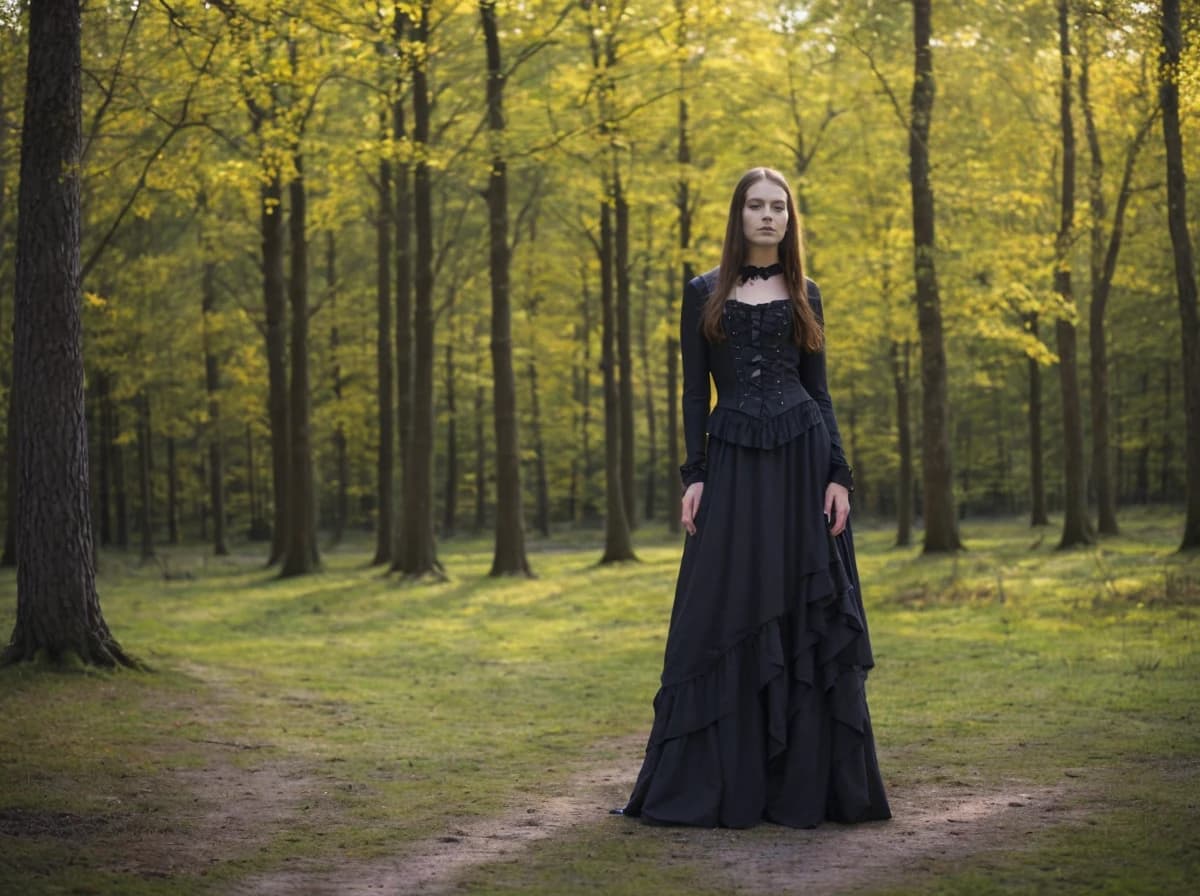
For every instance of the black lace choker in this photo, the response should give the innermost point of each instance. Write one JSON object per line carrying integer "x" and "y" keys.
{"x": 750, "y": 272}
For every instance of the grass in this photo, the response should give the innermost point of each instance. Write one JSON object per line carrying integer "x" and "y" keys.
{"x": 349, "y": 713}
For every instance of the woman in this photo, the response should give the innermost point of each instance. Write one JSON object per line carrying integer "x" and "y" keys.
{"x": 762, "y": 713}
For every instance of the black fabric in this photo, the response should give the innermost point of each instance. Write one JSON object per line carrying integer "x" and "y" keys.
{"x": 759, "y": 371}
{"x": 748, "y": 272}
{"x": 762, "y": 711}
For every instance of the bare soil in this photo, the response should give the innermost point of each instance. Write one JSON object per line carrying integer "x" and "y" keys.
{"x": 931, "y": 824}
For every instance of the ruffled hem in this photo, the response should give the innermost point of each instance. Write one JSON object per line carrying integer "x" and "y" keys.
{"x": 816, "y": 654}
{"x": 733, "y": 426}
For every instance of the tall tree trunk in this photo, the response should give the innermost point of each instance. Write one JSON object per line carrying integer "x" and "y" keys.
{"x": 450, "y": 491}
{"x": 58, "y": 609}
{"x": 480, "y": 516}
{"x": 618, "y": 546}
{"x": 509, "y": 557}
{"x": 300, "y": 554}
{"x": 117, "y": 463}
{"x": 1103, "y": 265}
{"x": 172, "y": 492}
{"x": 683, "y": 207}
{"x": 418, "y": 555}
{"x": 1185, "y": 270}
{"x": 212, "y": 386}
{"x": 403, "y": 213}
{"x": 1037, "y": 476}
{"x": 341, "y": 511}
{"x": 542, "y": 486}
{"x": 904, "y": 487}
{"x": 652, "y": 469}
{"x": 941, "y": 517}
{"x": 589, "y": 509}
{"x": 386, "y": 458}
{"x": 624, "y": 348}
{"x": 8, "y": 559}
{"x": 275, "y": 304}
{"x": 145, "y": 487}
{"x": 1076, "y": 528}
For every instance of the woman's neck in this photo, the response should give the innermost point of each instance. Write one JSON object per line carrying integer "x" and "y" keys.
{"x": 760, "y": 256}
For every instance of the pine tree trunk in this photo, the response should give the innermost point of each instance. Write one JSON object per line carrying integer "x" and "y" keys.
{"x": 941, "y": 517}
{"x": 509, "y": 557}
{"x": 1185, "y": 270}
{"x": 542, "y": 490}
{"x": 301, "y": 553}
{"x": 450, "y": 491}
{"x": 58, "y": 609}
{"x": 1076, "y": 528}
{"x": 624, "y": 350}
{"x": 386, "y": 457}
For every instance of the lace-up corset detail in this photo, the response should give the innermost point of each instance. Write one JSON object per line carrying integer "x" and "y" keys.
{"x": 764, "y": 358}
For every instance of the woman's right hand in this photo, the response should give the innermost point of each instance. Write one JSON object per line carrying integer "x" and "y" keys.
{"x": 691, "y": 506}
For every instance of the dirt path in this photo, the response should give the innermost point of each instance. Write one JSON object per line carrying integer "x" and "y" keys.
{"x": 932, "y": 824}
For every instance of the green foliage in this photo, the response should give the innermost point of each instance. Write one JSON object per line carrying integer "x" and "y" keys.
{"x": 188, "y": 109}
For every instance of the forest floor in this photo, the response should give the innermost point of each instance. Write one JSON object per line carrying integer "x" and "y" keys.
{"x": 346, "y": 733}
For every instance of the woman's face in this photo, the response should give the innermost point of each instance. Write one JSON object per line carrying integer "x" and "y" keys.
{"x": 764, "y": 214}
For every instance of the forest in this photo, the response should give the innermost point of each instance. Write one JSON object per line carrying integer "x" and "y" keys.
{"x": 414, "y": 269}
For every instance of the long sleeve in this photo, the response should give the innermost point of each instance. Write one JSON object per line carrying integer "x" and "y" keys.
{"x": 812, "y": 375}
{"x": 697, "y": 389}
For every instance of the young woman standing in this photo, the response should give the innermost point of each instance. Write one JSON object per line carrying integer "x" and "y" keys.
{"x": 762, "y": 712}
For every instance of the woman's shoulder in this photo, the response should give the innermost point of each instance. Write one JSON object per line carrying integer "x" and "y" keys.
{"x": 703, "y": 285}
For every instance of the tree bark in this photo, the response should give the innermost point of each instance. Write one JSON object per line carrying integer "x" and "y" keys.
{"x": 58, "y": 608}
{"x": 145, "y": 487}
{"x": 341, "y": 511}
{"x": 904, "y": 487}
{"x": 651, "y": 467}
{"x": 212, "y": 386}
{"x": 418, "y": 554}
{"x": 117, "y": 464}
{"x": 301, "y": 553}
{"x": 1076, "y": 528}
{"x": 403, "y": 212}
{"x": 509, "y": 557}
{"x": 683, "y": 207}
{"x": 275, "y": 304}
{"x": 1037, "y": 476}
{"x": 172, "y": 492}
{"x": 386, "y": 457}
{"x": 941, "y": 517}
{"x": 624, "y": 348}
{"x": 1185, "y": 271}
{"x": 618, "y": 546}
{"x": 542, "y": 485}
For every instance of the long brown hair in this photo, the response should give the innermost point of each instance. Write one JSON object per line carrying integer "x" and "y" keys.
{"x": 807, "y": 329}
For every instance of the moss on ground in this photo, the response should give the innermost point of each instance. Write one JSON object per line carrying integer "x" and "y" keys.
{"x": 358, "y": 714}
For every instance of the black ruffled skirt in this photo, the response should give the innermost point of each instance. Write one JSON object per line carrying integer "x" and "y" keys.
{"x": 762, "y": 713}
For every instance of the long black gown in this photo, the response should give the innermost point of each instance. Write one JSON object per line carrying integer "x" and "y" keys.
{"x": 762, "y": 712}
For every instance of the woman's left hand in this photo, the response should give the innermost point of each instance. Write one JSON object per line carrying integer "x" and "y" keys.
{"x": 837, "y": 507}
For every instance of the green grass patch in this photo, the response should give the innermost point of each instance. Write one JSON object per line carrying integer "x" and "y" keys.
{"x": 338, "y": 717}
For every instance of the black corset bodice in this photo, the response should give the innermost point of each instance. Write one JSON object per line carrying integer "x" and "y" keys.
{"x": 765, "y": 360}
{"x": 769, "y": 390}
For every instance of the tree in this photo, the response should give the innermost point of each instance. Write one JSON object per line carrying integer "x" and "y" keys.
{"x": 58, "y": 608}
{"x": 1185, "y": 271}
{"x": 941, "y": 518}
{"x": 509, "y": 556}
{"x": 1076, "y": 528}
